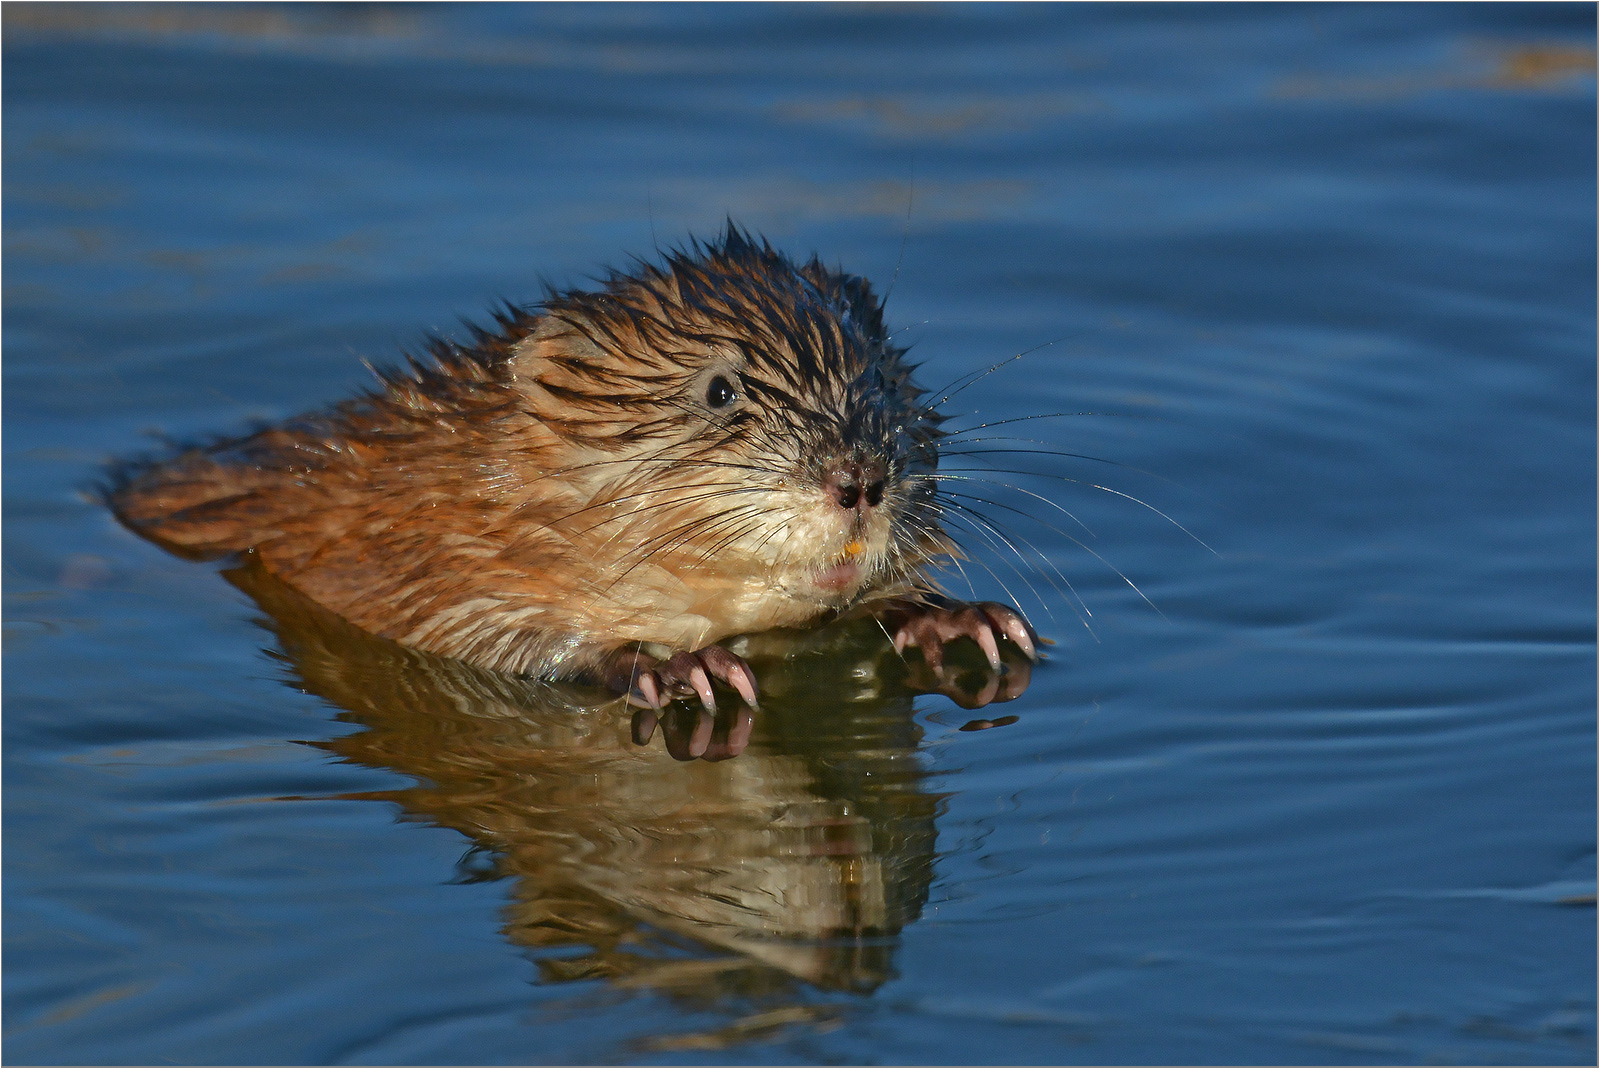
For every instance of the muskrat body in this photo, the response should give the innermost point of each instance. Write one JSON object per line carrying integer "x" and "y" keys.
{"x": 606, "y": 486}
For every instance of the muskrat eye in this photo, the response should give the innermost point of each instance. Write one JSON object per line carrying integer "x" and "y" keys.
{"x": 720, "y": 393}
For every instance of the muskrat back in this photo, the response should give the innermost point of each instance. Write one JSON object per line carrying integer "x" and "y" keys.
{"x": 606, "y": 485}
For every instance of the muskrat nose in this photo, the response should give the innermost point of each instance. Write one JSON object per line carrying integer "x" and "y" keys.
{"x": 856, "y": 485}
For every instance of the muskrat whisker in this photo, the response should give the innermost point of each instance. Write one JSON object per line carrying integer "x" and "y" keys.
{"x": 927, "y": 529}
{"x": 735, "y": 528}
{"x": 1007, "y": 437}
{"x": 649, "y": 554}
{"x": 890, "y": 639}
{"x": 1060, "y": 415}
{"x": 961, "y": 440}
{"x": 729, "y": 516}
{"x": 965, "y": 443}
{"x": 631, "y": 513}
{"x": 636, "y": 513}
{"x": 1081, "y": 545}
{"x": 689, "y": 530}
{"x": 1047, "y": 453}
{"x": 712, "y": 490}
{"x": 657, "y": 458}
{"x": 672, "y": 538}
{"x": 1001, "y": 531}
{"x": 952, "y": 434}
{"x": 629, "y": 462}
{"x": 750, "y": 526}
{"x": 737, "y": 524}
{"x": 656, "y": 541}
{"x": 1095, "y": 486}
{"x": 759, "y": 546}
{"x": 985, "y": 535}
{"x": 954, "y": 508}
{"x": 973, "y": 377}
{"x": 893, "y": 333}
{"x": 905, "y": 237}
{"x": 1051, "y": 567}
{"x": 680, "y": 536}
{"x": 937, "y": 477}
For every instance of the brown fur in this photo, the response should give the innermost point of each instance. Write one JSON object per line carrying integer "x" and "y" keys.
{"x": 562, "y": 488}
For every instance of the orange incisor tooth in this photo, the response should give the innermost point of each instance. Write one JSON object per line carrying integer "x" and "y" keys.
{"x": 854, "y": 549}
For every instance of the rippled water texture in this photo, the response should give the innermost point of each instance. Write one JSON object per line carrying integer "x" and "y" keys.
{"x": 1325, "y": 280}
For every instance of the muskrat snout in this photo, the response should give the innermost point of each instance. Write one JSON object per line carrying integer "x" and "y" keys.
{"x": 857, "y": 485}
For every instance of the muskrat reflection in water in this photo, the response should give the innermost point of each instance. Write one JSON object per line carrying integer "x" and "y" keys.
{"x": 612, "y": 485}
{"x": 802, "y": 859}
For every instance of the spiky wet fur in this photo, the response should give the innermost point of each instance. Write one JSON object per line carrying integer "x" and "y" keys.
{"x": 561, "y": 487}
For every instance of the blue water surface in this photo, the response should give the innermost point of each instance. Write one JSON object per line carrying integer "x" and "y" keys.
{"x": 1309, "y": 776}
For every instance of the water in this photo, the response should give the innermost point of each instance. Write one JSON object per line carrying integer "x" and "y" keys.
{"x": 1329, "y": 271}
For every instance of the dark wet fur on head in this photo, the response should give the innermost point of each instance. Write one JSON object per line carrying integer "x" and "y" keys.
{"x": 812, "y": 340}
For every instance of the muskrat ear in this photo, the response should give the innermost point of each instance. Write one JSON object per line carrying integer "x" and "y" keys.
{"x": 557, "y": 345}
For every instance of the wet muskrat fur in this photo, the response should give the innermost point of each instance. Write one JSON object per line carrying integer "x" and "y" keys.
{"x": 608, "y": 484}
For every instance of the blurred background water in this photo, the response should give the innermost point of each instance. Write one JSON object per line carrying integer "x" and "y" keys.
{"x": 1329, "y": 274}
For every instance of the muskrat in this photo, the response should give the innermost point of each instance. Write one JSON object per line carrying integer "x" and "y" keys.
{"x": 609, "y": 483}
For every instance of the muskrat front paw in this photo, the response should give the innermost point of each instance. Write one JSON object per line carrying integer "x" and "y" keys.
{"x": 930, "y": 626}
{"x": 652, "y": 684}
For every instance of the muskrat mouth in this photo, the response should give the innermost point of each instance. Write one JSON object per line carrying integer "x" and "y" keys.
{"x": 839, "y": 576}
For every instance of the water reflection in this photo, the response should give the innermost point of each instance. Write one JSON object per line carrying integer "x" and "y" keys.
{"x": 801, "y": 859}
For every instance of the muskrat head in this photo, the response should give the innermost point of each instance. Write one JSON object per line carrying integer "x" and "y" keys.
{"x": 739, "y": 414}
